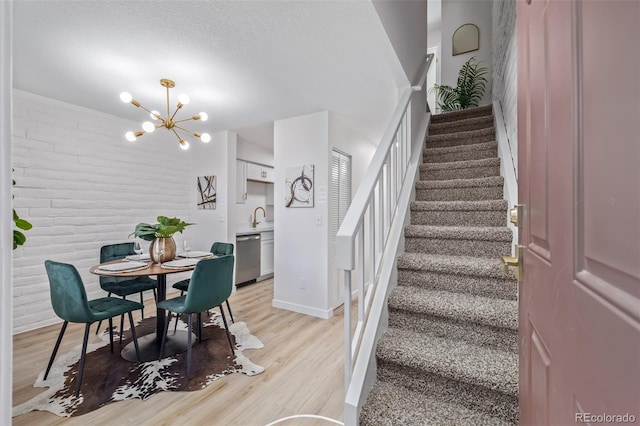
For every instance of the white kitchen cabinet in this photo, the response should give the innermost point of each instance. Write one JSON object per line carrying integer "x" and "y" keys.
{"x": 266, "y": 253}
{"x": 270, "y": 197}
{"x": 259, "y": 173}
{"x": 241, "y": 182}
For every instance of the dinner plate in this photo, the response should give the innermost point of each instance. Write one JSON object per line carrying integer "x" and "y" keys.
{"x": 123, "y": 266}
{"x": 179, "y": 263}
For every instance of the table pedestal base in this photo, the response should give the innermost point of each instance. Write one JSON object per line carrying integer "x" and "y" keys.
{"x": 149, "y": 346}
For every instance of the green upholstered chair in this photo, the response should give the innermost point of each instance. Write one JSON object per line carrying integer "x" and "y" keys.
{"x": 219, "y": 249}
{"x": 211, "y": 284}
{"x": 123, "y": 287}
{"x": 69, "y": 301}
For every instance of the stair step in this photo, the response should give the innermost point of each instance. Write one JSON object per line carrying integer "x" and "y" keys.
{"x": 467, "y": 213}
{"x": 458, "y": 240}
{"x": 461, "y": 138}
{"x": 462, "y": 114}
{"x": 480, "y": 366}
{"x": 492, "y": 312}
{"x": 468, "y": 169}
{"x": 462, "y": 125}
{"x": 487, "y": 188}
{"x": 476, "y": 151}
{"x": 391, "y": 404}
{"x": 458, "y": 274}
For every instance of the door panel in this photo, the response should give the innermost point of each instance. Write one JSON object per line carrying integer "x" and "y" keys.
{"x": 538, "y": 152}
{"x": 579, "y": 157}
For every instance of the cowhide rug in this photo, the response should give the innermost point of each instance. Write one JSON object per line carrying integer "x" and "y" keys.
{"x": 109, "y": 378}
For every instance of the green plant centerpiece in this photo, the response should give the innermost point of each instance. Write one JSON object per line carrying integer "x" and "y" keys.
{"x": 468, "y": 91}
{"x": 163, "y": 247}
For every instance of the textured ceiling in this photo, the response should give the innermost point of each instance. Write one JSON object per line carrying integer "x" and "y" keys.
{"x": 243, "y": 62}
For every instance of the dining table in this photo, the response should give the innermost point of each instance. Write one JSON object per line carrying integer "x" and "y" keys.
{"x": 149, "y": 344}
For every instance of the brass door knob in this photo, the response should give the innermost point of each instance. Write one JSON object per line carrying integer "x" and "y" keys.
{"x": 516, "y": 215}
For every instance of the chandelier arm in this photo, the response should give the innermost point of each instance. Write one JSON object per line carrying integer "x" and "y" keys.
{"x": 183, "y": 129}
{"x": 177, "y": 135}
{"x": 183, "y": 120}
{"x": 176, "y": 111}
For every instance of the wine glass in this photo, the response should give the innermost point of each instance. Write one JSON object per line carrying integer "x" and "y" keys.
{"x": 186, "y": 247}
{"x": 137, "y": 247}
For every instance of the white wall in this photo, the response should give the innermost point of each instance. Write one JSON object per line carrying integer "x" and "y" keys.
{"x": 6, "y": 317}
{"x": 301, "y": 250}
{"x": 405, "y": 23}
{"x": 505, "y": 69}
{"x": 213, "y": 158}
{"x": 455, "y": 14}
{"x": 255, "y": 153}
{"x": 83, "y": 185}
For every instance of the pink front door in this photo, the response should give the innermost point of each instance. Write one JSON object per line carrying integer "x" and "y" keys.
{"x": 579, "y": 180}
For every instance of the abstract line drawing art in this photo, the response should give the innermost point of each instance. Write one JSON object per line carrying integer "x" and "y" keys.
{"x": 299, "y": 191}
{"x": 206, "y": 187}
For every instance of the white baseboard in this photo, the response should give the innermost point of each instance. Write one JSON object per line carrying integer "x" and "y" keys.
{"x": 302, "y": 309}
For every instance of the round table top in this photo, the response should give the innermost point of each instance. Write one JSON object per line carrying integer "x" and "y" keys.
{"x": 151, "y": 269}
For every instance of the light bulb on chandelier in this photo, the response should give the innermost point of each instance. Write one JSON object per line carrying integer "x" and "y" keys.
{"x": 169, "y": 122}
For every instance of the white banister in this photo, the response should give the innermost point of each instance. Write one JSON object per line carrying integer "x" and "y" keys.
{"x": 372, "y": 220}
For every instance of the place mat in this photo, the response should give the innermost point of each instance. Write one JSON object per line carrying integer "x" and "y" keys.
{"x": 192, "y": 254}
{"x": 179, "y": 263}
{"x": 123, "y": 267}
{"x": 143, "y": 257}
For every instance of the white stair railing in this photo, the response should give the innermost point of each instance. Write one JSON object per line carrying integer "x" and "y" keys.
{"x": 367, "y": 240}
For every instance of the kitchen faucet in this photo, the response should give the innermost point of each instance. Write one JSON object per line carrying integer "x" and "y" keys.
{"x": 264, "y": 214}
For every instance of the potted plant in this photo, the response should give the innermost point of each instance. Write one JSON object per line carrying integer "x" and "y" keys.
{"x": 468, "y": 91}
{"x": 163, "y": 247}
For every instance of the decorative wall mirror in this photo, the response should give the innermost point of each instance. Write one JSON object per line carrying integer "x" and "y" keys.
{"x": 466, "y": 39}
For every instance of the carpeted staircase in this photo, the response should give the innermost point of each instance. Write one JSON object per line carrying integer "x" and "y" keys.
{"x": 450, "y": 354}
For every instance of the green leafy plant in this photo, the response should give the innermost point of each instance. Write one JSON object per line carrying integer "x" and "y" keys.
{"x": 18, "y": 236}
{"x": 165, "y": 227}
{"x": 469, "y": 90}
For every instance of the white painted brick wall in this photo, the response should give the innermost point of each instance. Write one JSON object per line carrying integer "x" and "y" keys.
{"x": 82, "y": 185}
{"x": 505, "y": 68}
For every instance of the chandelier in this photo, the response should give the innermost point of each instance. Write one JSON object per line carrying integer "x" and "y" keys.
{"x": 169, "y": 122}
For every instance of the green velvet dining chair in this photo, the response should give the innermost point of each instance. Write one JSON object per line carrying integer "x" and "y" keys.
{"x": 218, "y": 249}
{"x": 69, "y": 301}
{"x": 122, "y": 286}
{"x": 211, "y": 284}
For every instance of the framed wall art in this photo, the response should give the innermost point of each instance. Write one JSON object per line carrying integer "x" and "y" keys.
{"x": 206, "y": 192}
{"x": 299, "y": 186}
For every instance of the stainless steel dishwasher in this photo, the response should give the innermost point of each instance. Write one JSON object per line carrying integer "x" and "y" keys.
{"x": 248, "y": 259}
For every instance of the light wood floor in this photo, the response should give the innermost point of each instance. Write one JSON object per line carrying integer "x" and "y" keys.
{"x": 302, "y": 355}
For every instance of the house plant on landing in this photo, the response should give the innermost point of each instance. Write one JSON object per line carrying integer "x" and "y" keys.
{"x": 162, "y": 248}
{"x": 468, "y": 91}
